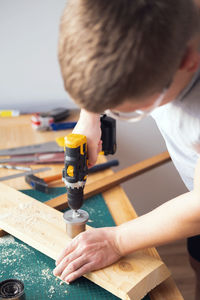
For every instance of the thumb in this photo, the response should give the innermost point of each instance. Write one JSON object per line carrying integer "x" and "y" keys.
{"x": 92, "y": 156}
{"x": 99, "y": 149}
{"x": 93, "y": 152}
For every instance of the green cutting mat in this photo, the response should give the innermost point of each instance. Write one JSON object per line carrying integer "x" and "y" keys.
{"x": 20, "y": 261}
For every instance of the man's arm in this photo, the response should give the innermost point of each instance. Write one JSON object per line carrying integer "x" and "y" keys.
{"x": 97, "y": 248}
{"x": 175, "y": 219}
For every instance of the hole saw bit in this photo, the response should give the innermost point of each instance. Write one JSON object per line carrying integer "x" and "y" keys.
{"x": 76, "y": 169}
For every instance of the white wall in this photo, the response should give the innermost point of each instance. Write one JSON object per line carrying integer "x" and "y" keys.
{"x": 30, "y": 80}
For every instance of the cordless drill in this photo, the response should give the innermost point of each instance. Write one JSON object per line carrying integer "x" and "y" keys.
{"x": 76, "y": 169}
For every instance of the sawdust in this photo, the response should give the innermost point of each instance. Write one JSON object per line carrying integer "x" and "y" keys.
{"x": 24, "y": 215}
{"x": 7, "y": 239}
{"x": 12, "y": 253}
{"x": 46, "y": 274}
{"x": 15, "y": 255}
{"x": 51, "y": 291}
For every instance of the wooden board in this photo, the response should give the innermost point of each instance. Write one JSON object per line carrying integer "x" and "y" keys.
{"x": 122, "y": 211}
{"x": 43, "y": 228}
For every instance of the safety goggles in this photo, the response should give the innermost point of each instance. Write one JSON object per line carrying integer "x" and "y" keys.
{"x": 137, "y": 115}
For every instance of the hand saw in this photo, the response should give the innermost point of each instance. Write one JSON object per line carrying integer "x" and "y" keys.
{"x": 48, "y": 147}
{"x": 37, "y": 158}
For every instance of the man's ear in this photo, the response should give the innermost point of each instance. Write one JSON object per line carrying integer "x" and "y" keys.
{"x": 191, "y": 60}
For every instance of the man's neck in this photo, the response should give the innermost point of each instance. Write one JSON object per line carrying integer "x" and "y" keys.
{"x": 180, "y": 82}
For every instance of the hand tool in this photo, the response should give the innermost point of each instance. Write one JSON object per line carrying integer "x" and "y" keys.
{"x": 41, "y": 184}
{"x": 76, "y": 169}
{"x": 42, "y": 121}
{"x": 24, "y": 173}
{"x": 48, "y": 147}
{"x": 38, "y": 158}
{"x": 21, "y": 168}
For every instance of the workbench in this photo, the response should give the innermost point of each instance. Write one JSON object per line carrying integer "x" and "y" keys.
{"x": 17, "y": 131}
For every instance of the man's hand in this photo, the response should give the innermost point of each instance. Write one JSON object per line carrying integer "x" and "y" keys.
{"x": 91, "y": 250}
{"x": 89, "y": 125}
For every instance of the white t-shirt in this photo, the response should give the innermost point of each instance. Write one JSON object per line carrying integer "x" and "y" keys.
{"x": 179, "y": 123}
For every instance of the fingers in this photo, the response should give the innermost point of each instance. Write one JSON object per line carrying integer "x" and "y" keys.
{"x": 65, "y": 262}
{"x": 72, "y": 245}
{"x": 79, "y": 272}
{"x": 93, "y": 152}
{"x": 99, "y": 147}
{"x": 92, "y": 156}
{"x": 72, "y": 267}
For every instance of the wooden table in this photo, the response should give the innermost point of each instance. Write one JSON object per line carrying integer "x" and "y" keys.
{"x": 17, "y": 131}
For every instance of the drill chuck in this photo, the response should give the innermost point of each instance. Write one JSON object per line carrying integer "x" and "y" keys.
{"x": 75, "y": 197}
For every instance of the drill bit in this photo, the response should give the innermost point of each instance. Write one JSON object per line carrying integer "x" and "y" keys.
{"x": 21, "y": 168}
{"x": 75, "y": 214}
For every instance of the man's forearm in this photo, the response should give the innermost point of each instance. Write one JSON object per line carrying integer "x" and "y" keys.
{"x": 176, "y": 219}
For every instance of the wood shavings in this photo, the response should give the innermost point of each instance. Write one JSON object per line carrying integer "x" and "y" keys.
{"x": 51, "y": 291}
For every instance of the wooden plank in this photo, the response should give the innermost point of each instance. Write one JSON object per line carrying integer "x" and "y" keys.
{"x": 43, "y": 228}
{"x": 114, "y": 179}
{"x": 122, "y": 211}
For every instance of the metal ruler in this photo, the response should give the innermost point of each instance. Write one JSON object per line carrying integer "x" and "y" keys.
{"x": 24, "y": 173}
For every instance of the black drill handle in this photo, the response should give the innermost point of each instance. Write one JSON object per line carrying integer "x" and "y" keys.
{"x": 103, "y": 166}
{"x": 108, "y": 135}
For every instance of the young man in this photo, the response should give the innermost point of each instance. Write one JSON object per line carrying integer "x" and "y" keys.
{"x": 128, "y": 56}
